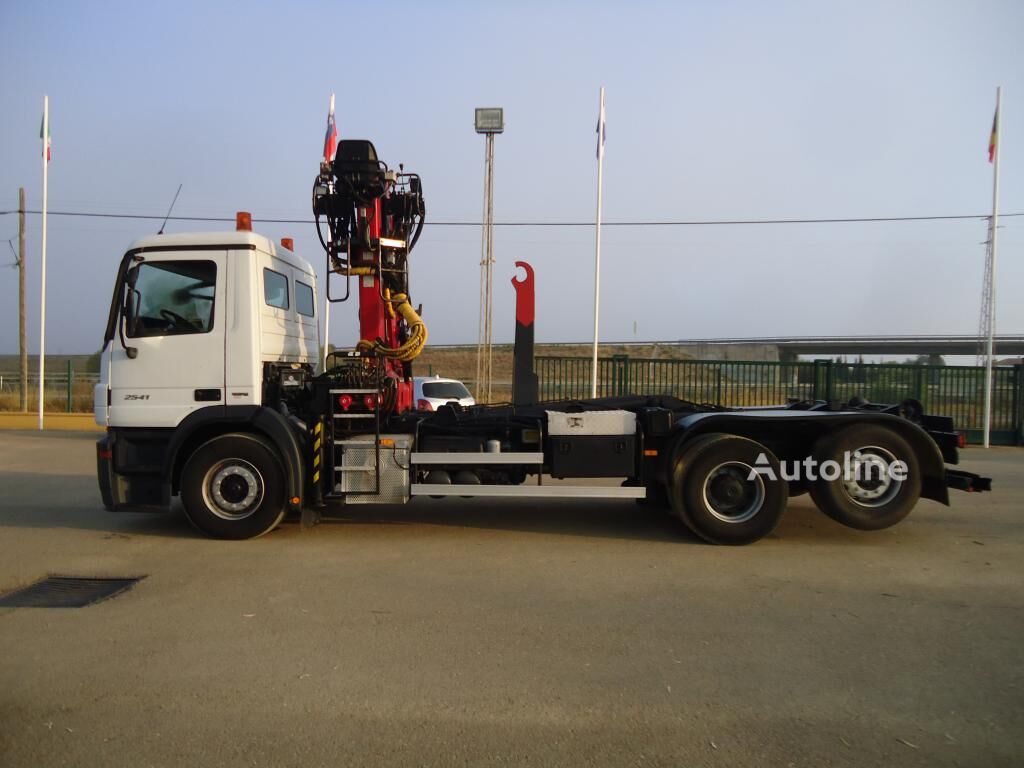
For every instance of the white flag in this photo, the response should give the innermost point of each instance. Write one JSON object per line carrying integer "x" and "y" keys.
{"x": 600, "y": 128}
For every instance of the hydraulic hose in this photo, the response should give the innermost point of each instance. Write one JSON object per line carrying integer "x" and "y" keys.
{"x": 411, "y": 349}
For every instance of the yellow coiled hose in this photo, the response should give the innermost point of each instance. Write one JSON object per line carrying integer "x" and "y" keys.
{"x": 411, "y": 349}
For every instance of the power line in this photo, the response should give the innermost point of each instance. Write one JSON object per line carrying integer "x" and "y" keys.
{"x": 676, "y": 223}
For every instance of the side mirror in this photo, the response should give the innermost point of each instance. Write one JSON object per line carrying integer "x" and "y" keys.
{"x": 129, "y": 311}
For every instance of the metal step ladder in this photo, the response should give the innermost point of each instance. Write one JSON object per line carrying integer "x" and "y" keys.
{"x": 343, "y": 473}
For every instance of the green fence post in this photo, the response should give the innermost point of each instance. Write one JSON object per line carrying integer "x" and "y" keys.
{"x": 71, "y": 381}
{"x": 919, "y": 383}
{"x": 1018, "y": 402}
{"x": 822, "y": 386}
{"x": 620, "y": 365}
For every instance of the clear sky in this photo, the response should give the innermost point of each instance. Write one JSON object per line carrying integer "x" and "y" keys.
{"x": 717, "y": 110}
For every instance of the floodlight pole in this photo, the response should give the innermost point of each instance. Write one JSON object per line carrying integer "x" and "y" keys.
{"x": 484, "y": 335}
{"x": 490, "y": 263}
{"x": 489, "y": 121}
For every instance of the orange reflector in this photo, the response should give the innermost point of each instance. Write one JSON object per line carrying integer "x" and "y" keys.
{"x": 287, "y": 242}
{"x": 650, "y": 452}
{"x": 387, "y": 442}
{"x": 243, "y": 221}
{"x": 295, "y": 500}
{"x": 106, "y": 453}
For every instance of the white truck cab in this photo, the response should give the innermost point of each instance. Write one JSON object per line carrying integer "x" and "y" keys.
{"x": 194, "y": 321}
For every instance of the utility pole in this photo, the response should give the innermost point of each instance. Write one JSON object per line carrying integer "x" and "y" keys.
{"x": 22, "y": 338}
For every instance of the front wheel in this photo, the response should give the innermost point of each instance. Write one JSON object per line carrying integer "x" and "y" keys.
{"x": 232, "y": 487}
{"x": 728, "y": 489}
{"x": 873, "y": 479}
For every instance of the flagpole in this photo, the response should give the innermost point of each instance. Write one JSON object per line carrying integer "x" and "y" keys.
{"x": 597, "y": 241}
{"x": 327, "y": 324}
{"x": 329, "y": 145}
{"x": 42, "y": 271}
{"x": 991, "y": 319}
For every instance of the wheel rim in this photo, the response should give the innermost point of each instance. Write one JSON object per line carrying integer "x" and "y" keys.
{"x": 868, "y": 483}
{"x": 233, "y": 489}
{"x": 733, "y": 492}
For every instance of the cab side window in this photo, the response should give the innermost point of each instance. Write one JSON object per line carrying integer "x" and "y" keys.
{"x": 275, "y": 289}
{"x": 303, "y": 298}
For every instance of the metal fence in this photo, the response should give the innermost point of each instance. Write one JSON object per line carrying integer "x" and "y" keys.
{"x": 64, "y": 390}
{"x": 953, "y": 390}
{"x": 948, "y": 390}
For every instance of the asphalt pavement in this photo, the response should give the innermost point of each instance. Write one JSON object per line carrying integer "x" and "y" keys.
{"x": 494, "y": 632}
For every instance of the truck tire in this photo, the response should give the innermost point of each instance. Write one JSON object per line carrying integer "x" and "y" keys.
{"x": 871, "y": 498}
{"x": 232, "y": 487}
{"x": 718, "y": 493}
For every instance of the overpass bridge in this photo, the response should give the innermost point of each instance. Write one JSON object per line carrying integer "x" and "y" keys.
{"x": 1005, "y": 345}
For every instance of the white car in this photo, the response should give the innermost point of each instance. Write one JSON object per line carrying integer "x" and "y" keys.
{"x": 431, "y": 391}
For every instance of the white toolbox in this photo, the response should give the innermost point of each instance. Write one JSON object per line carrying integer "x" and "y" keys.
{"x": 593, "y": 423}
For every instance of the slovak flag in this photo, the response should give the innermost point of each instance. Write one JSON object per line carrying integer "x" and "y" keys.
{"x": 331, "y": 139}
{"x": 46, "y": 139}
{"x": 993, "y": 139}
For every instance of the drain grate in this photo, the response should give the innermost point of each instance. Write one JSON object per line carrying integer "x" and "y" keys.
{"x": 66, "y": 592}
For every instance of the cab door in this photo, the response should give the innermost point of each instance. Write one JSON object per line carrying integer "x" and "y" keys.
{"x": 170, "y": 360}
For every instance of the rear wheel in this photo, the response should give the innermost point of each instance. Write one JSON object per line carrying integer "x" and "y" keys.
{"x": 879, "y": 481}
{"x": 728, "y": 489}
{"x": 232, "y": 487}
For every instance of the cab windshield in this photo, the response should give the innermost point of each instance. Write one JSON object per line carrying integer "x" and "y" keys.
{"x": 171, "y": 297}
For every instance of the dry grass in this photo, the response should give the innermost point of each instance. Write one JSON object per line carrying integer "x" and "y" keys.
{"x": 55, "y": 402}
{"x": 56, "y": 391}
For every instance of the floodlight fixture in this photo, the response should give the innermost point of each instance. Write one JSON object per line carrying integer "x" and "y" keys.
{"x": 490, "y": 120}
